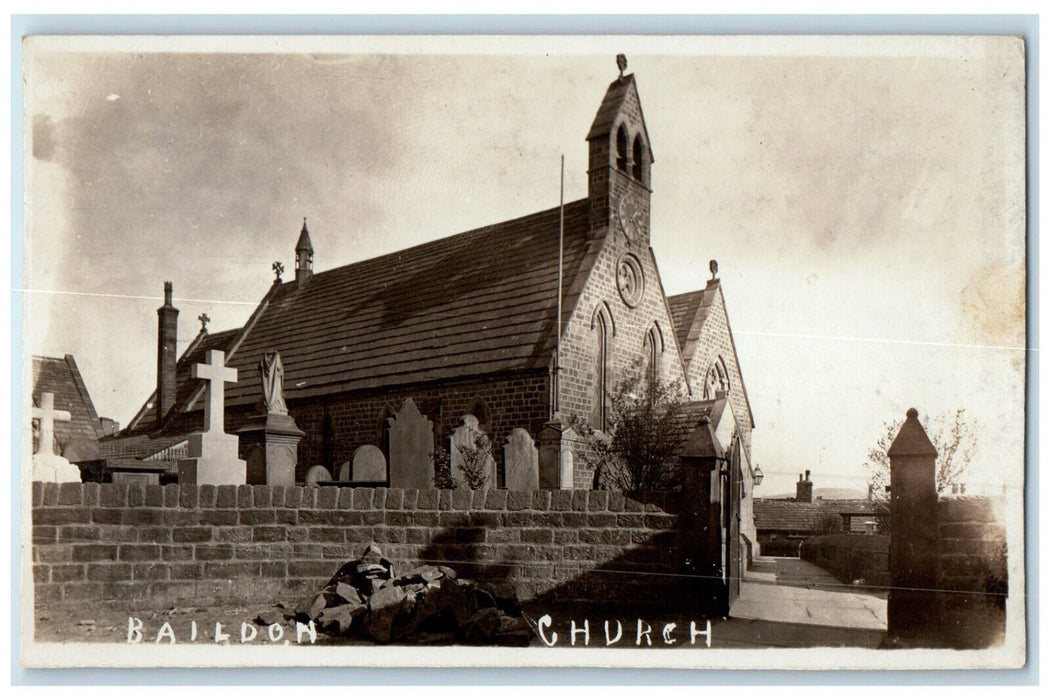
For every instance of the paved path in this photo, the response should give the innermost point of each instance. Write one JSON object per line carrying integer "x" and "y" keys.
{"x": 790, "y": 602}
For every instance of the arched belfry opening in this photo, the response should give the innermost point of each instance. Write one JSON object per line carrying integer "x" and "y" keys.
{"x": 621, "y": 148}
{"x": 638, "y": 159}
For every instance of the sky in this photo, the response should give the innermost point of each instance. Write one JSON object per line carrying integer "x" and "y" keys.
{"x": 864, "y": 200}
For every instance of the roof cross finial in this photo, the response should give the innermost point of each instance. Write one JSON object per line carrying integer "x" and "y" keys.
{"x": 278, "y": 268}
{"x": 621, "y": 63}
{"x": 204, "y": 318}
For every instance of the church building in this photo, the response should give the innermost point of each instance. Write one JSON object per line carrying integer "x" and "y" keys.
{"x": 465, "y": 330}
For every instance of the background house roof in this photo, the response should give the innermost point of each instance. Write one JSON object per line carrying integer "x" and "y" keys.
{"x": 61, "y": 377}
{"x": 788, "y": 515}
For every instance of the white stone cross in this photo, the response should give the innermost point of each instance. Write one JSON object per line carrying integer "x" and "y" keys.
{"x": 48, "y": 415}
{"x": 216, "y": 374}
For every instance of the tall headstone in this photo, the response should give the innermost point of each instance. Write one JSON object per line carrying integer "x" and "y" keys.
{"x": 213, "y": 452}
{"x": 521, "y": 461}
{"x": 411, "y": 448}
{"x": 369, "y": 464}
{"x": 48, "y": 466}
{"x": 557, "y": 470}
{"x": 468, "y": 438}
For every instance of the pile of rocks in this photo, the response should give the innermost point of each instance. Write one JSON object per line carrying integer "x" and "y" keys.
{"x": 427, "y": 605}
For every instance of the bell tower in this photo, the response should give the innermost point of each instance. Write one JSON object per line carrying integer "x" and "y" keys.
{"x": 620, "y": 163}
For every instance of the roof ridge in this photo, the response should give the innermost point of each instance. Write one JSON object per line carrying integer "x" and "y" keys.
{"x": 475, "y": 231}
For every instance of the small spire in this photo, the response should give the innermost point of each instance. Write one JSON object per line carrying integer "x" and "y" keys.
{"x": 278, "y": 268}
{"x": 621, "y": 63}
{"x": 304, "y": 256}
{"x": 167, "y": 293}
{"x": 204, "y": 318}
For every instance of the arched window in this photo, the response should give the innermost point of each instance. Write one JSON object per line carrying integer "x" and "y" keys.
{"x": 652, "y": 348}
{"x": 602, "y": 330}
{"x": 716, "y": 381}
{"x": 636, "y": 158}
{"x": 621, "y": 148}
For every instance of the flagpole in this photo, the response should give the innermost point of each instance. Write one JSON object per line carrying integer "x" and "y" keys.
{"x": 561, "y": 252}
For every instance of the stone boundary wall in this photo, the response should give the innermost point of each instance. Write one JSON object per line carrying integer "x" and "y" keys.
{"x": 154, "y": 547}
{"x": 971, "y": 569}
{"x": 851, "y": 558}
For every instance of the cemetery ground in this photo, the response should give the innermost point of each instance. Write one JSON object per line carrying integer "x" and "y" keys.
{"x": 784, "y": 603}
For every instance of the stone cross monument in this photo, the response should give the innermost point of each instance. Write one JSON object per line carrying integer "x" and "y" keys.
{"x": 213, "y": 453}
{"x": 47, "y": 466}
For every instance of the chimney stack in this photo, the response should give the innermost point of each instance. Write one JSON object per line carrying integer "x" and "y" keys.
{"x": 167, "y": 333}
{"x": 804, "y": 489}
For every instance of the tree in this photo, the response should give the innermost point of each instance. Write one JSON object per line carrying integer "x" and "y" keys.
{"x": 647, "y": 429}
{"x": 954, "y": 435}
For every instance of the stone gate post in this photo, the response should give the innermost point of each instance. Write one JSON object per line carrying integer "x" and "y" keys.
{"x": 912, "y": 609}
{"x": 699, "y": 522}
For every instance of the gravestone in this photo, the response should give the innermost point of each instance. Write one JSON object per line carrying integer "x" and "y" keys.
{"x": 369, "y": 464}
{"x": 47, "y": 466}
{"x": 344, "y": 472}
{"x": 271, "y": 439}
{"x": 557, "y": 470}
{"x": 213, "y": 452}
{"x": 317, "y": 473}
{"x": 465, "y": 438}
{"x": 521, "y": 461}
{"x": 411, "y": 448}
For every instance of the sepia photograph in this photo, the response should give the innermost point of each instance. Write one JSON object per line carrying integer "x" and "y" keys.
{"x": 662, "y": 351}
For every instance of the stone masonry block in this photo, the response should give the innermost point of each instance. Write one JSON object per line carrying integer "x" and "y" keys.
{"x": 262, "y": 496}
{"x": 154, "y": 495}
{"x": 362, "y": 498}
{"x": 70, "y": 494}
{"x": 187, "y": 495}
{"x": 598, "y": 500}
{"x": 328, "y": 497}
{"x": 561, "y": 500}
{"x": 136, "y": 495}
{"x": 541, "y": 500}
{"x": 519, "y": 500}
{"x": 579, "y": 500}
{"x": 496, "y": 499}
{"x": 113, "y": 495}
{"x": 207, "y": 495}
{"x": 171, "y": 496}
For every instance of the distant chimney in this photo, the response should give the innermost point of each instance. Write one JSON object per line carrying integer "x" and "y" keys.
{"x": 804, "y": 489}
{"x": 167, "y": 333}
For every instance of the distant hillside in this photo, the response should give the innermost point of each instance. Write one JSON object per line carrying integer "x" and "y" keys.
{"x": 827, "y": 494}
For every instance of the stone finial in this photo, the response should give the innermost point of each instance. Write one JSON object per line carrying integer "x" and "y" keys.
{"x": 278, "y": 269}
{"x": 168, "y": 288}
{"x": 204, "y": 318}
{"x": 912, "y": 440}
{"x": 621, "y": 63}
{"x": 713, "y": 266}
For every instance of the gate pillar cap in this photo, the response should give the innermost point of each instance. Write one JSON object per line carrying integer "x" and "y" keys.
{"x": 912, "y": 440}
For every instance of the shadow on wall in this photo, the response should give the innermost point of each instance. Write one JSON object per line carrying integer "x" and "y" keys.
{"x": 562, "y": 568}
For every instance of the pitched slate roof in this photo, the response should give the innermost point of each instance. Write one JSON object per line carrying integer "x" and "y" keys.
{"x": 61, "y": 377}
{"x": 475, "y": 303}
{"x": 683, "y": 311}
{"x": 787, "y": 515}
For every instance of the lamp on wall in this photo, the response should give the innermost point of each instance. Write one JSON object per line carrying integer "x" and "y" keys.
{"x": 757, "y": 476}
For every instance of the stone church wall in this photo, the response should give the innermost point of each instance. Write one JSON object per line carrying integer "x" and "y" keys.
{"x": 715, "y": 341}
{"x": 152, "y": 547}
{"x": 358, "y": 418}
